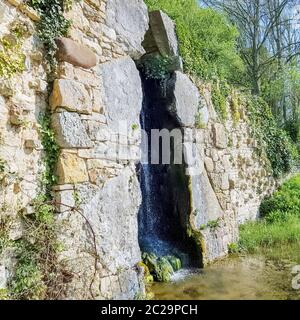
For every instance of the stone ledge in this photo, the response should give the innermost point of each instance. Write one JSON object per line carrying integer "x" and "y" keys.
{"x": 25, "y": 9}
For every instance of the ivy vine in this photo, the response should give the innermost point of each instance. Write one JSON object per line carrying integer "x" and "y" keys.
{"x": 52, "y": 25}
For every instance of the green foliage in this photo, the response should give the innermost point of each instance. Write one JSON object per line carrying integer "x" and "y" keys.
{"x": 37, "y": 270}
{"x": 27, "y": 282}
{"x": 207, "y": 40}
{"x": 292, "y": 127}
{"x": 4, "y": 294}
{"x": 12, "y": 60}
{"x": 213, "y": 224}
{"x": 220, "y": 93}
{"x": 52, "y": 25}
{"x": 161, "y": 268}
{"x": 233, "y": 248}
{"x": 284, "y": 203}
{"x": 263, "y": 234}
{"x": 199, "y": 124}
{"x": 281, "y": 219}
{"x": 51, "y": 149}
{"x": 279, "y": 149}
{"x": 156, "y": 66}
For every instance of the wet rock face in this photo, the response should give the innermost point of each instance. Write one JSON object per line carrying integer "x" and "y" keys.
{"x": 130, "y": 21}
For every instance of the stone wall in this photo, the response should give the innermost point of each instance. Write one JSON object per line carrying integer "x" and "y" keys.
{"x": 96, "y": 103}
{"x": 22, "y": 98}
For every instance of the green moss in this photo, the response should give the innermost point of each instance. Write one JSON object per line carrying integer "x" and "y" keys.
{"x": 12, "y": 59}
{"x": 161, "y": 268}
{"x": 219, "y": 98}
{"x": 235, "y": 107}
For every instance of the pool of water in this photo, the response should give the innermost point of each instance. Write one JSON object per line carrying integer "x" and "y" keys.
{"x": 264, "y": 276}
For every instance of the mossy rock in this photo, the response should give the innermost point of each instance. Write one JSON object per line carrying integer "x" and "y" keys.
{"x": 161, "y": 268}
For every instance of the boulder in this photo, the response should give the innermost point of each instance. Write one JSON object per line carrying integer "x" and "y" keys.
{"x": 122, "y": 92}
{"x": 75, "y": 53}
{"x": 184, "y": 99}
{"x": 130, "y": 21}
{"x": 205, "y": 204}
{"x": 70, "y": 131}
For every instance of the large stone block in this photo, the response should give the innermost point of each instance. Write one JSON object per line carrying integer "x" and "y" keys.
{"x": 130, "y": 21}
{"x": 163, "y": 32}
{"x": 75, "y": 53}
{"x": 184, "y": 99}
{"x": 70, "y": 131}
{"x": 70, "y": 95}
{"x": 71, "y": 169}
{"x": 122, "y": 90}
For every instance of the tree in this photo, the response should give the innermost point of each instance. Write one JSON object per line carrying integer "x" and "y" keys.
{"x": 265, "y": 26}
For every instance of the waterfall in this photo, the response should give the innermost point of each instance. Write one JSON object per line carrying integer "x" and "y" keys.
{"x": 165, "y": 205}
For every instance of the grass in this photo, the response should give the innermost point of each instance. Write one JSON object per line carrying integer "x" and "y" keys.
{"x": 280, "y": 223}
{"x": 263, "y": 235}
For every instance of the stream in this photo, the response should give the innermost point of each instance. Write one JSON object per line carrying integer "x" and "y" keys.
{"x": 266, "y": 275}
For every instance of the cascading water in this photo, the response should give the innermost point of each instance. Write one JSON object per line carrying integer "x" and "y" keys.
{"x": 166, "y": 199}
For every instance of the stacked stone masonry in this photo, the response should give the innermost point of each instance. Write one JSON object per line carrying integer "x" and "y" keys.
{"x": 95, "y": 115}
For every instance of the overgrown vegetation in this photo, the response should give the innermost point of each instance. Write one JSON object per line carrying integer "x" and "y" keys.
{"x": 156, "y": 66}
{"x": 281, "y": 153}
{"x": 12, "y": 59}
{"x": 52, "y": 25}
{"x": 207, "y": 40}
{"x": 38, "y": 275}
{"x": 212, "y": 43}
{"x": 51, "y": 153}
{"x": 280, "y": 223}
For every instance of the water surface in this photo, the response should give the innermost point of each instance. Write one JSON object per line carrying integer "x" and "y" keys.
{"x": 263, "y": 276}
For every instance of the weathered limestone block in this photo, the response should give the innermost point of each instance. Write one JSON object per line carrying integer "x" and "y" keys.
{"x": 70, "y": 131}
{"x": 205, "y": 204}
{"x": 75, "y": 53}
{"x": 163, "y": 32}
{"x": 130, "y": 21}
{"x": 112, "y": 213}
{"x": 220, "y": 136}
{"x": 71, "y": 169}
{"x": 118, "y": 200}
{"x": 70, "y": 95}
{"x": 122, "y": 92}
{"x": 184, "y": 97}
